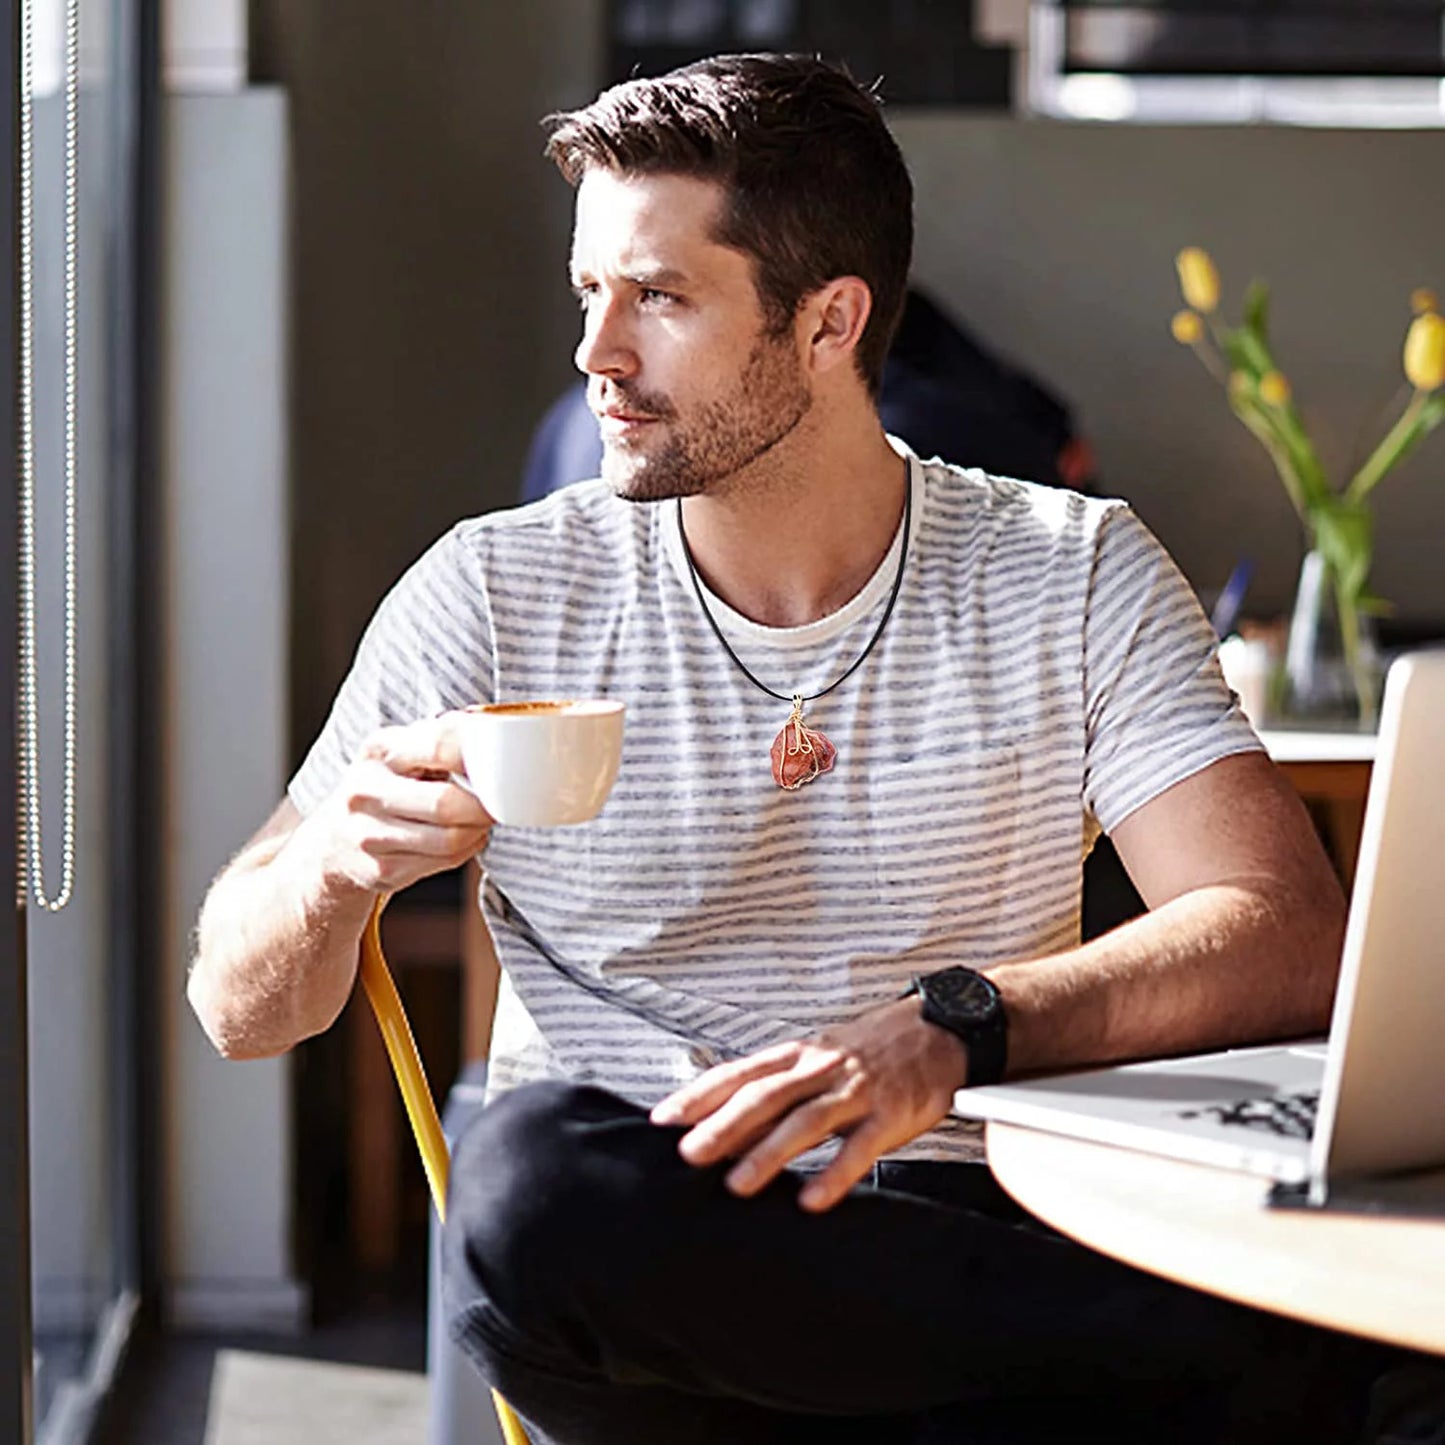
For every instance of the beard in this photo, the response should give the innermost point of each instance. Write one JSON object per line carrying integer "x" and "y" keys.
{"x": 718, "y": 440}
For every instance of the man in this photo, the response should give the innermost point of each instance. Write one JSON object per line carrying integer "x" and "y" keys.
{"x": 941, "y": 388}
{"x": 877, "y": 713}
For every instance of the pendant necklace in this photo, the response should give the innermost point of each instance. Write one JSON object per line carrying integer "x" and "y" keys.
{"x": 801, "y": 753}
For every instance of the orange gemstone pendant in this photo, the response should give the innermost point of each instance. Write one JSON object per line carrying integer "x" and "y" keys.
{"x": 799, "y": 752}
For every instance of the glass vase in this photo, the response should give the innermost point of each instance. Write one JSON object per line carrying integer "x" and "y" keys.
{"x": 1331, "y": 675}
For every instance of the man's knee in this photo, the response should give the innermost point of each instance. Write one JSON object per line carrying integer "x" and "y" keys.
{"x": 545, "y": 1185}
{"x": 520, "y": 1139}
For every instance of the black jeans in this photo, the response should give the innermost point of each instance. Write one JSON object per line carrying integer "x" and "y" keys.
{"x": 618, "y": 1296}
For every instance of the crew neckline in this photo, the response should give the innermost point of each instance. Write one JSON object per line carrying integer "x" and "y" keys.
{"x": 807, "y": 634}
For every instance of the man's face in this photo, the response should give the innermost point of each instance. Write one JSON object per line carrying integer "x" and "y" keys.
{"x": 687, "y": 383}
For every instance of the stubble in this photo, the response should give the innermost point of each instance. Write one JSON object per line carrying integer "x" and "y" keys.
{"x": 715, "y": 447}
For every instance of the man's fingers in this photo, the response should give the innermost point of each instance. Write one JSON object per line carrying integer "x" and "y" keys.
{"x": 758, "y": 1106}
{"x": 801, "y": 1129}
{"x": 419, "y": 800}
{"x": 708, "y": 1091}
{"x": 746, "y": 1116}
{"x": 388, "y": 855}
{"x": 860, "y": 1152}
{"x": 428, "y": 745}
{"x": 420, "y": 840}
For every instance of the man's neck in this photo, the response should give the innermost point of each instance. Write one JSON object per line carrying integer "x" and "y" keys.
{"x": 791, "y": 546}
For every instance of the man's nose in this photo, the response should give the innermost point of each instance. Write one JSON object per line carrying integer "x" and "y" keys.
{"x": 605, "y": 348}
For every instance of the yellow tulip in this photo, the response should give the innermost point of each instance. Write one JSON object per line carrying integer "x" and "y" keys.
{"x": 1423, "y": 299}
{"x": 1425, "y": 351}
{"x": 1188, "y": 327}
{"x": 1274, "y": 389}
{"x": 1198, "y": 279}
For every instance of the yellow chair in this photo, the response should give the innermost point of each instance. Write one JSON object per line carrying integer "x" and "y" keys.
{"x": 416, "y": 1095}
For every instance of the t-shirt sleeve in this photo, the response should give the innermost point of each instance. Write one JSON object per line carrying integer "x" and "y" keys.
{"x": 428, "y": 648}
{"x": 1156, "y": 705}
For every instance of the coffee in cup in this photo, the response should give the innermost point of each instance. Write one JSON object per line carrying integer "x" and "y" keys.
{"x": 542, "y": 763}
{"x": 521, "y": 709}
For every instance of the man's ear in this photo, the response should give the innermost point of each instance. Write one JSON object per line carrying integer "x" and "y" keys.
{"x": 834, "y": 317}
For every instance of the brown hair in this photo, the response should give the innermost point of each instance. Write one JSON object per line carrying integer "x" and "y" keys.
{"x": 816, "y": 186}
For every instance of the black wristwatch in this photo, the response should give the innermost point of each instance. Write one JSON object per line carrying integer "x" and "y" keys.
{"x": 968, "y": 1005}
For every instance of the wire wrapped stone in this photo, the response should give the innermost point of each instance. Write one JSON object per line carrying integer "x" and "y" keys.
{"x": 800, "y": 753}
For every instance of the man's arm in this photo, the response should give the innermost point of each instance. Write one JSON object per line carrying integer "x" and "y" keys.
{"x": 1242, "y": 940}
{"x": 1242, "y": 943}
{"x": 280, "y": 930}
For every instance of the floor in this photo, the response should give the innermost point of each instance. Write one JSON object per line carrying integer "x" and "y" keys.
{"x": 264, "y": 1399}
{"x": 57, "y": 1357}
{"x": 167, "y": 1385}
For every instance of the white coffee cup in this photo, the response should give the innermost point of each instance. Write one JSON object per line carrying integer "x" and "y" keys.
{"x": 541, "y": 764}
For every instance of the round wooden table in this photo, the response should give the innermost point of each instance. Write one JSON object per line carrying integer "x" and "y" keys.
{"x": 1209, "y": 1228}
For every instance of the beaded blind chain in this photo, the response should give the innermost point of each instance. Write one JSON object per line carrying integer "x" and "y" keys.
{"x": 801, "y": 753}
{"x": 31, "y": 863}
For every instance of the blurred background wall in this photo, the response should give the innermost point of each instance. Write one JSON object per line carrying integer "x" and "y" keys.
{"x": 432, "y": 321}
{"x": 1058, "y": 242}
{"x": 431, "y": 317}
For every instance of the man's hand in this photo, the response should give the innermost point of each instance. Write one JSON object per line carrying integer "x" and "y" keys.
{"x": 396, "y": 814}
{"x": 878, "y": 1081}
{"x": 279, "y": 932}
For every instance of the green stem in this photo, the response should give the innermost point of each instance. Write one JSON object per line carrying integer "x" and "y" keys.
{"x": 1279, "y": 454}
{"x": 1349, "y": 618}
{"x": 1307, "y": 465}
{"x": 1283, "y": 425}
{"x": 1388, "y": 452}
{"x": 1371, "y": 420}
{"x": 1211, "y": 359}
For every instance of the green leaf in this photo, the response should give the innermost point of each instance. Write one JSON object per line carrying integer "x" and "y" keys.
{"x": 1246, "y": 351}
{"x": 1256, "y": 310}
{"x": 1281, "y": 428}
{"x": 1255, "y": 418}
{"x": 1307, "y": 462}
{"x": 1344, "y": 534}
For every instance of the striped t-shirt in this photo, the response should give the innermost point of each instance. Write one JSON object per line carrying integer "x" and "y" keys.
{"x": 1046, "y": 670}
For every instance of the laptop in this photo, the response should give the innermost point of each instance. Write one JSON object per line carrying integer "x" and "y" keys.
{"x": 1316, "y": 1116}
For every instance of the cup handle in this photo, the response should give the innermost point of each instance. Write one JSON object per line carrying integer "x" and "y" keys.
{"x": 465, "y": 784}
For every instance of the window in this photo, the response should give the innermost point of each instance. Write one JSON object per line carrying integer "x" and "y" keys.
{"x": 1320, "y": 62}
{"x": 928, "y": 52}
{"x": 69, "y": 1072}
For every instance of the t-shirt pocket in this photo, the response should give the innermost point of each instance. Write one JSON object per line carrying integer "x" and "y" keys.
{"x": 945, "y": 828}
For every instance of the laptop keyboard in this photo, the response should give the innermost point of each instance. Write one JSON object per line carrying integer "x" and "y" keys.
{"x": 1291, "y": 1116}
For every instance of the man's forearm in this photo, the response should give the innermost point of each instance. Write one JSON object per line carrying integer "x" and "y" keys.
{"x": 280, "y": 931}
{"x": 277, "y": 954}
{"x": 1220, "y": 965}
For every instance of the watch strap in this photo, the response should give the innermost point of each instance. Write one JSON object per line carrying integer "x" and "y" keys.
{"x": 984, "y": 1035}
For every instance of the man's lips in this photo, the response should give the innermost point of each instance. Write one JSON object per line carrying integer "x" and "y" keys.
{"x": 621, "y": 422}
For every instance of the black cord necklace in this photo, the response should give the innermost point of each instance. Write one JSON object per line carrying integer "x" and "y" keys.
{"x": 801, "y": 753}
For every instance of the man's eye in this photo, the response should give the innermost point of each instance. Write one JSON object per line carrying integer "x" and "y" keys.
{"x": 584, "y": 294}
{"x": 651, "y": 296}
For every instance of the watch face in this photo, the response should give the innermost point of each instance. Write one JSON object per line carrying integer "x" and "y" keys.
{"x": 963, "y": 995}
{"x": 968, "y": 1005}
